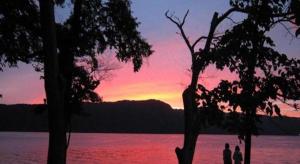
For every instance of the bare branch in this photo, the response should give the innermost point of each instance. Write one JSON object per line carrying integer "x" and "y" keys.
{"x": 233, "y": 21}
{"x": 284, "y": 19}
{"x": 171, "y": 18}
{"x": 247, "y": 11}
{"x": 295, "y": 106}
{"x": 106, "y": 68}
{"x": 216, "y": 20}
{"x": 287, "y": 30}
{"x": 180, "y": 27}
{"x": 178, "y": 20}
{"x": 227, "y": 13}
{"x": 198, "y": 40}
{"x": 186, "y": 14}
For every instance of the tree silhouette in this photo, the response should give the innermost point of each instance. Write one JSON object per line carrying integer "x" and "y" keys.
{"x": 20, "y": 32}
{"x": 53, "y": 85}
{"x": 265, "y": 75}
{"x": 197, "y": 107}
{"x": 68, "y": 52}
{"x": 94, "y": 27}
{"x": 194, "y": 115}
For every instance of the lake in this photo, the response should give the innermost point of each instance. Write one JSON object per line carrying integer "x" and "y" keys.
{"x": 99, "y": 148}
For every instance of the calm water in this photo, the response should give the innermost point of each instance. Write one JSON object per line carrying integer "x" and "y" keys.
{"x": 143, "y": 148}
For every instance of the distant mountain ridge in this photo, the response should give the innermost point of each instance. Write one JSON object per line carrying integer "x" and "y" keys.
{"x": 149, "y": 116}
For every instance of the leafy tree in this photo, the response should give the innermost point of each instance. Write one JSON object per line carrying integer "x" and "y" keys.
{"x": 20, "y": 32}
{"x": 265, "y": 75}
{"x": 92, "y": 28}
{"x": 197, "y": 107}
{"x": 68, "y": 52}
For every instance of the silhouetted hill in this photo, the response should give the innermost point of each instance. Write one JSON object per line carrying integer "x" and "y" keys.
{"x": 150, "y": 116}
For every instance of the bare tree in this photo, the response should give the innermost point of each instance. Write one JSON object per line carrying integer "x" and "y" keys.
{"x": 191, "y": 114}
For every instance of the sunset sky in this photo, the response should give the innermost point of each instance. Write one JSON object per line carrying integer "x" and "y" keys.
{"x": 164, "y": 75}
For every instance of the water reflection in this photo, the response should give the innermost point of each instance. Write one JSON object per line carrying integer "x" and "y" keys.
{"x": 143, "y": 148}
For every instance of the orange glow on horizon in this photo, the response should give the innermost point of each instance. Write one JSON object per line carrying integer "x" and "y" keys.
{"x": 142, "y": 91}
{"x": 163, "y": 76}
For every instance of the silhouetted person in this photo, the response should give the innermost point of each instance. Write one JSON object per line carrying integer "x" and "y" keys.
{"x": 227, "y": 155}
{"x": 237, "y": 156}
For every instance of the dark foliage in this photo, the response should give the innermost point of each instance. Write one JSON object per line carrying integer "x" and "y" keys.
{"x": 92, "y": 27}
{"x": 20, "y": 35}
{"x": 265, "y": 75}
{"x": 270, "y": 12}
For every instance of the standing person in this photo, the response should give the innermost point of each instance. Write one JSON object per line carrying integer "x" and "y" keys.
{"x": 237, "y": 156}
{"x": 227, "y": 155}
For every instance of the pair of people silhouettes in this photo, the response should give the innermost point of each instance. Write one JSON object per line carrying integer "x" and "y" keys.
{"x": 237, "y": 155}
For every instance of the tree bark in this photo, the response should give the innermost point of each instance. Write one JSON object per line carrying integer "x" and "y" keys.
{"x": 54, "y": 93}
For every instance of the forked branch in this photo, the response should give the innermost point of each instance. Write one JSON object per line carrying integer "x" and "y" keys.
{"x": 180, "y": 25}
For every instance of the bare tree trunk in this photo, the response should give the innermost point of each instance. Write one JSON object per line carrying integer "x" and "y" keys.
{"x": 247, "y": 148}
{"x": 57, "y": 132}
{"x": 249, "y": 89}
{"x": 186, "y": 154}
{"x": 248, "y": 138}
{"x": 191, "y": 116}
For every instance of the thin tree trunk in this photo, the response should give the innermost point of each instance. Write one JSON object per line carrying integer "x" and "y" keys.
{"x": 57, "y": 132}
{"x": 67, "y": 65}
{"x": 248, "y": 137}
{"x": 250, "y": 110}
{"x": 247, "y": 148}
